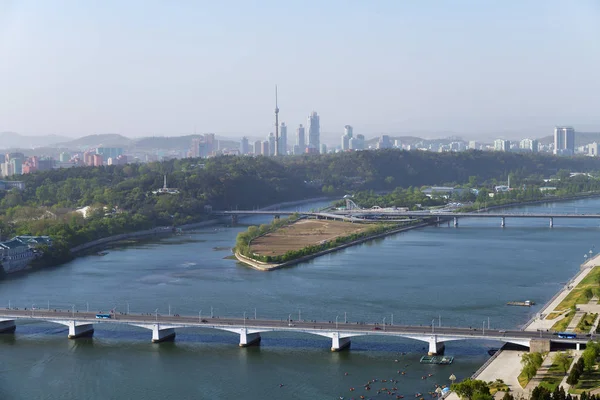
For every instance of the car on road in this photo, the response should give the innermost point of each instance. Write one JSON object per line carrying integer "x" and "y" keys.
{"x": 377, "y": 328}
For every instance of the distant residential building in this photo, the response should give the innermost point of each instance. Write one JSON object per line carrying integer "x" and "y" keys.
{"x": 593, "y": 149}
{"x": 266, "y": 148}
{"x": 257, "y": 147}
{"x": 349, "y": 131}
{"x": 323, "y": 148}
{"x": 203, "y": 147}
{"x": 310, "y": 149}
{"x": 120, "y": 160}
{"x": 106, "y": 152}
{"x": 282, "y": 139}
{"x": 357, "y": 142}
{"x": 473, "y": 145}
{"x": 564, "y": 140}
{"x": 97, "y": 160}
{"x": 300, "y": 138}
{"x": 314, "y": 130}
{"x": 64, "y": 157}
{"x": 345, "y": 142}
{"x": 13, "y": 164}
{"x": 529, "y": 145}
{"x": 384, "y": 142}
{"x": 244, "y": 146}
{"x": 8, "y": 185}
{"x": 397, "y": 144}
{"x": 271, "y": 140}
{"x": 501, "y": 145}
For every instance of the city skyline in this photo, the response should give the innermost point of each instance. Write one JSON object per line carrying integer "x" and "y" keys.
{"x": 475, "y": 70}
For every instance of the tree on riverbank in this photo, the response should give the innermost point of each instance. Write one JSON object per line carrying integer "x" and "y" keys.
{"x": 472, "y": 389}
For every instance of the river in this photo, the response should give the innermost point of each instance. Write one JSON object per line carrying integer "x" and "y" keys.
{"x": 459, "y": 276}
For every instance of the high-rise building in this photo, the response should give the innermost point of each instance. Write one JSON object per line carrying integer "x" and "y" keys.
{"x": 300, "y": 138}
{"x": 593, "y": 149}
{"x": 357, "y": 142}
{"x": 501, "y": 145}
{"x": 97, "y": 160}
{"x": 473, "y": 145}
{"x": 345, "y": 142}
{"x": 564, "y": 140}
{"x": 529, "y": 145}
{"x": 244, "y": 146}
{"x": 257, "y": 148}
{"x": 384, "y": 142}
{"x": 323, "y": 148}
{"x": 283, "y": 139}
{"x": 397, "y": 144}
{"x": 265, "y": 151}
{"x": 314, "y": 131}
{"x": 348, "y": 130}
{"x": 271, "y": 139}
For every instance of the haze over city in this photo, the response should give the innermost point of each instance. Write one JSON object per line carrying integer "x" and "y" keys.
{"x": 140, "y": 68}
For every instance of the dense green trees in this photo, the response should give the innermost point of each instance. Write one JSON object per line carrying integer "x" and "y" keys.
{"x": 472, "y": 389}
{"x": 46, "y": 204}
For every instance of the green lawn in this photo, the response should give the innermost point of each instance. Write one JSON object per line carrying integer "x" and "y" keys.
{"x": 588, "y": 381}
{"x": 561, "y": 325}
{"x": 553, "y": 378}
{"x": 577, "y": 295}
{"x": 586, "y": 323}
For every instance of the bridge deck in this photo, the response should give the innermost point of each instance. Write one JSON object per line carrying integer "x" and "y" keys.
{"x": 266, "y": 325}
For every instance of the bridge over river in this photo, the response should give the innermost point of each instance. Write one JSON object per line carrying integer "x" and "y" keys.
{"x": 387, "y": 214}
{"x": 249, "y": 330}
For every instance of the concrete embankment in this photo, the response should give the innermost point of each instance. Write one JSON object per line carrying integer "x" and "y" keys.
{"x": 261, "y": 266}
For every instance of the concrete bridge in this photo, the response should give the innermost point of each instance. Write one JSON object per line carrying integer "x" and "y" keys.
{"x": 370, "y": 215}
{"x": 249, "y": 330}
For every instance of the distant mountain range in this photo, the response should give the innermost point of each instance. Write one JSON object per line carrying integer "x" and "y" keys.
{"x": 10, "y": 140}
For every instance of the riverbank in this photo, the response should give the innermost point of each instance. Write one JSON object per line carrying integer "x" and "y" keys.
{"x": 260, "y": 266}
{"x": 507, "y": 365}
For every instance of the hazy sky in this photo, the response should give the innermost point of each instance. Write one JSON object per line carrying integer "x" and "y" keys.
{"x": 477, "y": 68}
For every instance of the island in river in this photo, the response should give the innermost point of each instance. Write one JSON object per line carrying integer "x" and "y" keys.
{"x": 289, "y": 241}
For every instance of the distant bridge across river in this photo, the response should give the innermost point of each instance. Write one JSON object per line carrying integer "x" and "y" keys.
{"x": 390, "y": 214}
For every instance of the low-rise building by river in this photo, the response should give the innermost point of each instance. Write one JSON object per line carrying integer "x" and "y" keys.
{"x": 17, "y": 253}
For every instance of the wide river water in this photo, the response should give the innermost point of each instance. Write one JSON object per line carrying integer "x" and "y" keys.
{"x": 461, "y": 276}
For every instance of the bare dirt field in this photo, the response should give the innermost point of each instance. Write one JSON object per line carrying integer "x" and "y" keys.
{"x": 303, "y": 233}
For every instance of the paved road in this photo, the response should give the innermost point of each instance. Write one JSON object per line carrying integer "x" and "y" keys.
{"x": 220, "y": 322}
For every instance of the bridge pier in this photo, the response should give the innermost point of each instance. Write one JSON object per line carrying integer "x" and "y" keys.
{"x": 249, "y": 339}
{"x": 437, "y": 221}
{"x": 77, "y": 329}
{"x": 551, "y": 222}
{"x": 7, "y": 325}
{"x": 503, "y": 223}
{"x": 338, "y": 343}
{"x": 435, "y": 347}
{"x": 456, "y": 222}
{"x": 162, "y": 335}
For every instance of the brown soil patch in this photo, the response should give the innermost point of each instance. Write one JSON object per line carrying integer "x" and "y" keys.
{"x": 303, "y": 233}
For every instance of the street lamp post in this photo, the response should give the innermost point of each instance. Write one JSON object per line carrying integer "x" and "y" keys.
{"x": 299, "y": 315}
{"x": 488, "y": 323}
{"x": 73, "y": 310}
{"x": 255, "y": 313}
{"x": 200, "y": 316}
{"x": 87, "y": 306}
{"x": 127, "y": 308}
{"x": 48, "y": 305}
{"x": 244, "y": 319}
{"x": 345, "y": 317}
{"x": 156, "y": 314}
{"x": 440, "y": 320}
{"x": 290, "y": 320}
{"x": 483, "y": 330}
{"x": 169, "y": 310}
{"x": 336, "y": 322}
{"x": 392, "y": 321}
{"x": 211, "y": 312}
{"x": 32, "y": 308}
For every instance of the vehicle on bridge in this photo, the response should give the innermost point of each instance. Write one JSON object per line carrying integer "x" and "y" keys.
{"x": 567, "y": 335}
{"x": 102, "y": 316}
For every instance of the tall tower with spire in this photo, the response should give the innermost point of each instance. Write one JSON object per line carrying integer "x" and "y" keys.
{"x": 276, "y": 125}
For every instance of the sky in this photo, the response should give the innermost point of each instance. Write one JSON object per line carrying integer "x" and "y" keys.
{"x": 478, "y": 69}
